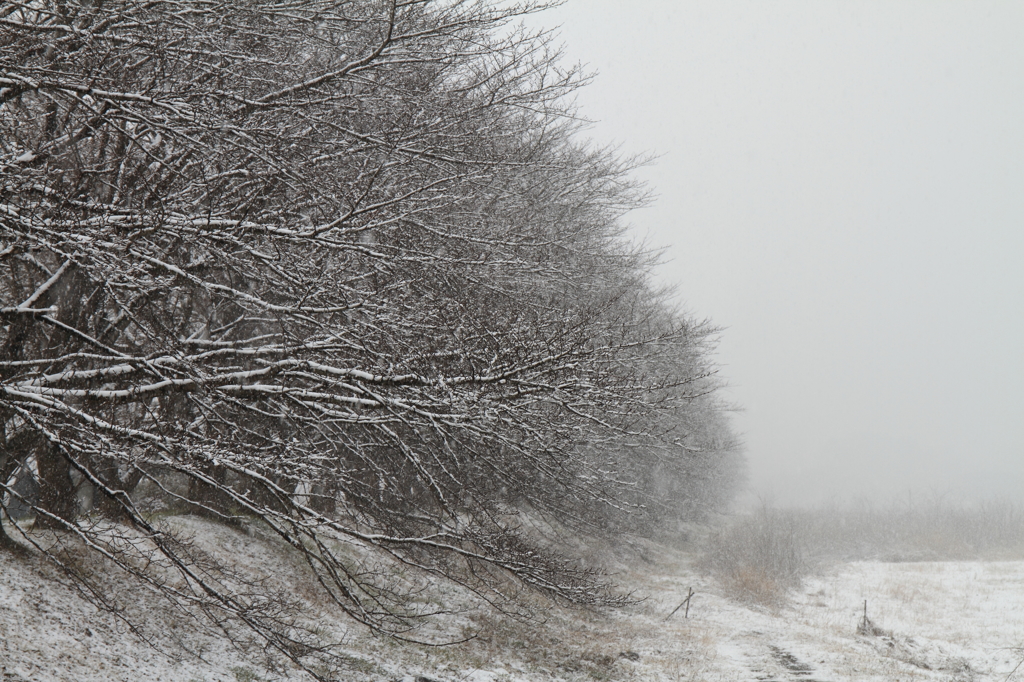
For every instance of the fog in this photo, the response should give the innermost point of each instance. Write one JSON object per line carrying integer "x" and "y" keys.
{"x": 841, "y": 188}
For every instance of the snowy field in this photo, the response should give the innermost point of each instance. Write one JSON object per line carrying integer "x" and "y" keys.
{"x": 948, "y": 621}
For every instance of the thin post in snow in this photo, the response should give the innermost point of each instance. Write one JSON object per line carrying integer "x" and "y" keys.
{"x": 686, "y": 603}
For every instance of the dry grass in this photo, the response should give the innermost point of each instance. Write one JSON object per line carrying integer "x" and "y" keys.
{"x": 929, "y": 530}
{"x": 758, "y": 558}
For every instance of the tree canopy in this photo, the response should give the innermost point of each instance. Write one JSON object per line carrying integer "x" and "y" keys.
{"x": 347, "y": 267}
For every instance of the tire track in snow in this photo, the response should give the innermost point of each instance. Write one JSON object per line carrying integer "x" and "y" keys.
{"x": 769, "y": 662}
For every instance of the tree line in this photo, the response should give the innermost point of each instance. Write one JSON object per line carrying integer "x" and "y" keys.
{"x": 344, "y": 267}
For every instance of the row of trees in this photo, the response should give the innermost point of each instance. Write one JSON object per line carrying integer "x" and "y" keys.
{"x": 342, "y": 266}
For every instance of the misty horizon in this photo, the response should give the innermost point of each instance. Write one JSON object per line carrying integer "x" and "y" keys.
{"x": 840, "y": 188}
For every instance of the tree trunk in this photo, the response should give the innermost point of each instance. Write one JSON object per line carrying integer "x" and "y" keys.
{"x": 56, "y": 489}
{"x": 208, "y": 499}
{"x": 109, "y": 506}
{"x": 7, "y": 466}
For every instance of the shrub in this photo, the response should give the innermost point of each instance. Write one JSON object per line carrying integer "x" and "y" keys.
{"x": 758, "y": 557}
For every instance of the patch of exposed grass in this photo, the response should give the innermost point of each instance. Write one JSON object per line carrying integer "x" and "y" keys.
{"x": 759, "y": 557}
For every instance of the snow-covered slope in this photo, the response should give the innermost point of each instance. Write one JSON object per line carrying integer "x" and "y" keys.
{"x": 944, "y": 621}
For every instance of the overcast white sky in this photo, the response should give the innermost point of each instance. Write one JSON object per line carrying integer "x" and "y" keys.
{"x": 841, "y": 186}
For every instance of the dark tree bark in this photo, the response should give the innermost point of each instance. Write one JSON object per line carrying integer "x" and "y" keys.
{"x": 56, "y": 490}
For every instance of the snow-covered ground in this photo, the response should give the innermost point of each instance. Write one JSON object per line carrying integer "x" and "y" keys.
{"x": 946, "y": 621}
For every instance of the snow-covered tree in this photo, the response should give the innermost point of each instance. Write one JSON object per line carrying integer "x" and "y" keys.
{"x": 341, "y": 266}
